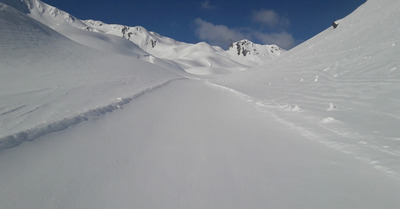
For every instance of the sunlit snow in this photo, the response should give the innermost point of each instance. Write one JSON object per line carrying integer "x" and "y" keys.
{"x": 95, "y": 115}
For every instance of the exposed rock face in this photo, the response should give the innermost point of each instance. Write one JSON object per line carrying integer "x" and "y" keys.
{"x": 247, "y": 48}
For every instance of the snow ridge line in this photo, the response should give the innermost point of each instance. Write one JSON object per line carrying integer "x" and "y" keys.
{"x": 47, "y": 128}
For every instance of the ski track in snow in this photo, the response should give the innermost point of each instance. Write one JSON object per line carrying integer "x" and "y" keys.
{"x": 12, "y": 110}
{"x": 338, "y": 138}
{"x": 46, "y": 128}
{"x": 329, "y": 132}
{"x": 380, "y": 152}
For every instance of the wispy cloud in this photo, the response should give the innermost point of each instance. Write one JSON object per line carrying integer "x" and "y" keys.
{"x": 282, "y": 39}
{"x": 270, "y": 18}
{"x": 219, "y": 35}
{"x": 207, "y": 5}
{"x": 222, "y": 35}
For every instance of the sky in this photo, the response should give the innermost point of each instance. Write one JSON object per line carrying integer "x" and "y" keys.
{"x": 286, "y": 23}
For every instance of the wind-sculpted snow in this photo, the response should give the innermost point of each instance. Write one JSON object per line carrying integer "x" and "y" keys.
{"x": 43, "y": 129}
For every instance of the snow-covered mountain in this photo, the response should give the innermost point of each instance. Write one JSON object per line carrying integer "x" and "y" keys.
{"x": 316, "y": 127}
{"x": 149, "y": 41}
{"x": 137, "y": 41}
{"x": 164, "y": 47}
{"x": 247, "y": 48}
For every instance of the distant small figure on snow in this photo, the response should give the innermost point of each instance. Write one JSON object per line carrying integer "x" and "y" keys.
{"x": 334, "y": 24}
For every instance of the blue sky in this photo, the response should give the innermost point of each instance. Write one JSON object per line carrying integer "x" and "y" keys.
{"x": 218, "y": 22}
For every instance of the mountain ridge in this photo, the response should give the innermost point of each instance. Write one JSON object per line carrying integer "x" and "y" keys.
{"x": 98, "y": 35}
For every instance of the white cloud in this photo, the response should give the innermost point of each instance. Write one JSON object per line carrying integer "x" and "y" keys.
{"x": 207, "y": 6}
{"x": 282, "y": 39}
{"x": 270, "y": 18}
{"x": 216, "y": 34}
{"x": 223, "y": 36}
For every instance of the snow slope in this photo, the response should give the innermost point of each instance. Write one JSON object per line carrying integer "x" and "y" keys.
{"x": 188, "y": 145}
{"x": 47, "y": 78}
{"x": 341, "y": 87}
{"x": 257, "y": 138}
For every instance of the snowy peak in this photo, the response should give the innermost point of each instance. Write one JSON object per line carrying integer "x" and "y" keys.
{"x": 43, "y": 12}
{"x": 50, "y": 15}
{"x": 252, "y": 54}
{"x": 145, "y": 39}
{"x": 55, "y": 18}
{"x": 138, "y": 42}
{"x": 247, "y": 48}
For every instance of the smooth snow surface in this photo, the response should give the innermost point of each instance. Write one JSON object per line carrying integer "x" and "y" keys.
{"x": 196, "y": 146}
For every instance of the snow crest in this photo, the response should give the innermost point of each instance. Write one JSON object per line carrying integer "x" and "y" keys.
{"x": 47, "y": 128}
